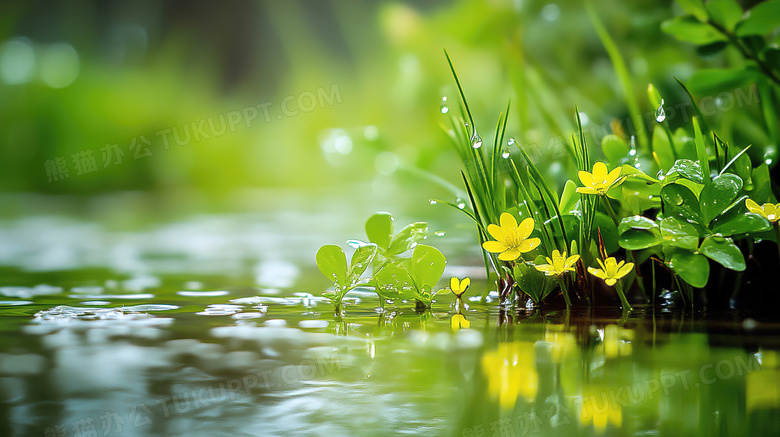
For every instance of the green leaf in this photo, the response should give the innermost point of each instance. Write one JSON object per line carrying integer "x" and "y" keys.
{"x": 687, "y": 169}
{"x": 694, "y": 7}
{"x": 361, "y": 259}
{"x": 719, "y": 194}
{"x": 740, "y": 222}
{"x": 569, "y": 197}
{"x": 393, "y": 282}
{"x": 379, "y": 229}
{"x": 653, "y": 96}
{"x": 609, "y": 232}
{"x": 637, "y": 232}
{"x": 725, "y": 12}
{"x": 691, "y": 30}
{"x": 427, "y": 265}
{"x": 692, "y": 268}
{"x": 681, "y": 202}
{"x": 762, "y": 185}
{"x": 761, "y": 20}
{"x": 661, "y": 147}
{"x": 333, "y": 263}
{"x": 739, "y": 164}
{"x": 701, "y": 150}
{"x": 715, "y": 80}
{"x": 679, "y": 233}
{"x": 404, "y": 240}
{"x": 615, "y": 149}
{"x": 711, "y": 49}
{"x": 532, "y": 282}
{"x": 724, "y": 251}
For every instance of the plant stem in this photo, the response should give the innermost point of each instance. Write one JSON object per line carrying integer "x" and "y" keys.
{"x": 609, "y": 209}
{"x": 565, "y": 291}
{"x": 623, "y": 300}
{"x": 777, "y": 236}
{"x": 747, "y": 54}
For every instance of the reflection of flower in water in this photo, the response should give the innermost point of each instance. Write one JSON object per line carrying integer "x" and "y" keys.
{"x": 616, "y": 342}
{"x": 597, "y": 409}
{"x": 564, "y": 345}
{"x": 763, "y": 381}
{"x": 510, "y": 372}
{"x": 459, "y": 321}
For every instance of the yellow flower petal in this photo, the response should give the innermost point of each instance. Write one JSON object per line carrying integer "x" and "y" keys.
{"x": 497, "y": 232}
{"x": 546, "y": 268}
{"x": 455, "y": 285}
{"x": 753, "y": 207}
{"x": 610, "y": 281}
{"x": 570, "y": 261}
{"x": 600, "y": 172}
{"x": 529, "y": 245}
{"x": 613, "y": 176}
{"x": 623, "y": 271}
{"x": 507, "y": 221}
{"x": 494, "y": 246}
{"x": 525, "y": 228}
{"x": 509, "y": 255}
{"x": 586, "y": 178}
{"x": 464, "y": 285}
{"x": 586, "y": 190}
{"x": 597, "y": 273}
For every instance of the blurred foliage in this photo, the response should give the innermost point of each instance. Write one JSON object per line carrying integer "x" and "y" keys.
{"x": 143, "y": 67}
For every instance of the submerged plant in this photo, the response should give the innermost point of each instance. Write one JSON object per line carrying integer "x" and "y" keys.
{"x": 332, "y": 262}
{"x": 393, "y": 275}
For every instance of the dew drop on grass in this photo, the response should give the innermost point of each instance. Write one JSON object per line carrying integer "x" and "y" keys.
{"x": 660, "y": 114}
{"x": 439, "y": 233}
{"x": 511, "y": 142}
{"x": 476, "y": 141}
{"x": 461, "y": 204}
{"x": 433, "y": 202}
{"x": 505, "y": 154}
{"x": 444, "y": 108}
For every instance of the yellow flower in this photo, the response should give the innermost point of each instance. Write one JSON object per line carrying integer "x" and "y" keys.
{"x": 597, "y": 409}
{"x": 511, "y": 373}
{"x": 511, "y": 239}
{"x": 599, "y": 181}
{"x": 459, "y": 321}
{"x": 617, "y": 341}
{"x": 611, "y": 270}
{"x": 769, "y": 211}
{"x": 559, "y": 264}
{"x": 459, "y": 287}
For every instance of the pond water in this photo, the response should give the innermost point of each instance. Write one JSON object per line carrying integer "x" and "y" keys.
{"x": 214, "y": 325}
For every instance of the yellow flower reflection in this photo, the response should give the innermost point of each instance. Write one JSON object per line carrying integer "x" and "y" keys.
{"x": 599, "y": 181}
{"x": 511, "y": 240}
{"x": 769, "y": 211}
{"x": 611, "y": 270}
{"x": 459, "y": 321}
{"x": 459, "y": 287}
{"x": 599, "y": 411}
{"x": 511, "y": 373}
{"x": 559, "y": 264}
{"x": 616, "y": 342}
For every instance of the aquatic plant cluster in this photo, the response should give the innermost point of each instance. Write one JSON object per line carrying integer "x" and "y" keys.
{"x": 661, "y": 214}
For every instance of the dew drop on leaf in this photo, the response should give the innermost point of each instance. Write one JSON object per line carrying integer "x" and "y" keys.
{"x": 433, "y": 202}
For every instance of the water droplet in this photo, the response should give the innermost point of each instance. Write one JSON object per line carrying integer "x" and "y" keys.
{"x": 476, "y": 141}
{"x": 660, "y": 114}
{"x": 461, "y": 204}
{"x": 413, "y": 245}
{"x": 444, "y": 108}
{"x": 637, "y": 165}
{"x": 433, "y": 201}
{"x": 439, "y": 233}
{"x": 505, "y": 154}
{"x": 768, "y": 161}
{"x": 632, "y": 152}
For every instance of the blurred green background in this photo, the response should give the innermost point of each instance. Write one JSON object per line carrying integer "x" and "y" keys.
{"x": 193, "y": 103}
